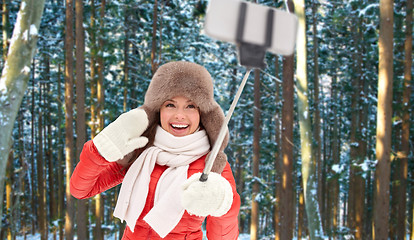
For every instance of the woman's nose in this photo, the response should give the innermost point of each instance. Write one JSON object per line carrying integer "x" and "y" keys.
{"x": 179, "y": 114}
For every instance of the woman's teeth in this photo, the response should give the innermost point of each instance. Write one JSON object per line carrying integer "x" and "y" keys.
{"x": 179, "y": 125}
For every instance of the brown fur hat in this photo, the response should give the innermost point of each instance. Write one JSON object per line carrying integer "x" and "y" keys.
{"x": 194, "y": 82}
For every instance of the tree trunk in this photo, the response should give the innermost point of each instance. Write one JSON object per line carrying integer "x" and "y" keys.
{"x": 412, "y": 215}
{"x": 160, "y": 35}
{"x": 278, "y": 178}
{"x": 154, "y": 65}
{"x": 301, "y": 215}
{"x": 353, "y": 155}
{"x": 412, "y": 219}
{"x": 9, "y": 197}
{"x": 51, "y": 176}
{"x": 356, "y": 196}
{"x": 60, "y": 158}
{"x": 368, "y": 212}
{"x": 69, "y": 141}
{"x": 13, "y": 82}
{"x": 287, "y": 212}
{"x": 23, "y": 204}
{"x": 317, "y": 118}
{"x": 333, "y": 184}
{"x": 101, "y": 66}
{"x": 240, "y": 181}
{"x": 239, "y": 161}
{"x": 5, "y": 28}
{"x": 309, "y": 173}
{"x": 383, "y": 145}
{"x": 98, "y": 234}
{"x": 405, "y": 131}
{"x": 126, "y": 57}
{"x": 361, "y": 217}
{"x": 99, "y": 214}
{"x": 32, "y": 158}
{"x": 93, "y": 83}
{"x": 254, "y": 224}
{"x": 94, "y": 88}
{"x": 41, "y": 198}
{"x": 82, "y": 220}
{"x": 324, "y": 162}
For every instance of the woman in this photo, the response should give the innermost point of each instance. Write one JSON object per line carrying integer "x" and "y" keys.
{"x": 153, "y": 150}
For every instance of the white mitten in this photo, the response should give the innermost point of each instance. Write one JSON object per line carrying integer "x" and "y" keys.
{"x": 123, "y": 135}
{"x": 212, "y": 197}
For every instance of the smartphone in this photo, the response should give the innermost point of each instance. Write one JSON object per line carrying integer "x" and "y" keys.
{"x": 242, "y": 22}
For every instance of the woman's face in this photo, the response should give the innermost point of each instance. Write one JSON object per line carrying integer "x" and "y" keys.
{"x": 179, "y": 116}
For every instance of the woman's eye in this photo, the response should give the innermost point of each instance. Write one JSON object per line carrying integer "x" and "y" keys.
{"x": 191, "y": 106}
{"x": 169, "y": 105}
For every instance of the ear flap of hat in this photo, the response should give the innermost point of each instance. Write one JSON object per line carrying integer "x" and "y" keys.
{"x": 212, "y": 122}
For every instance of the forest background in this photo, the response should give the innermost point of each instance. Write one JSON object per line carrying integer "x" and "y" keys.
{"x": 306, "y": 137}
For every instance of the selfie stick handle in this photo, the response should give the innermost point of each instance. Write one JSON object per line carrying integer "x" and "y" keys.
{"x": 213, "y": 154}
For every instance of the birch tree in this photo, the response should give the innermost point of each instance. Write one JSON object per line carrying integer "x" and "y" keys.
{"x": 308, "y": 162}
{"x": 15, "y": 75}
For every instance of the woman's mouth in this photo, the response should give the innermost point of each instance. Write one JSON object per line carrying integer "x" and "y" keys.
{"x": 179, "y": 126}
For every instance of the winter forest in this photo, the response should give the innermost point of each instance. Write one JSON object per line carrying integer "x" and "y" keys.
{"x": 321, "y": 142}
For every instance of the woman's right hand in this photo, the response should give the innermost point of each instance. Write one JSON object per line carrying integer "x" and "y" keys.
{"x": 123, "y": 135}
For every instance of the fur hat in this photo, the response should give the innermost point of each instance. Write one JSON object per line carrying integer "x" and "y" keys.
{"x": 195, "y": 83}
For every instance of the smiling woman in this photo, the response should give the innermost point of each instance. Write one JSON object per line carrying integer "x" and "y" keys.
{"x": 153, "y": 150}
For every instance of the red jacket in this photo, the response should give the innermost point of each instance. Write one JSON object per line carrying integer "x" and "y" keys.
{"x": 94, "y": 174}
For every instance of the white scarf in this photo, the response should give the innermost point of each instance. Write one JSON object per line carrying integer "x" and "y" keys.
{"x": 176, "y": 153}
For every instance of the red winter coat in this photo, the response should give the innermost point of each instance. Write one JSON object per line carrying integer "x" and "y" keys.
{"x": 94, "y": 174}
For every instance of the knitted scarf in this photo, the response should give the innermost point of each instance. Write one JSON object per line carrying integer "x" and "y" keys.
{"x": 176, "y": 153}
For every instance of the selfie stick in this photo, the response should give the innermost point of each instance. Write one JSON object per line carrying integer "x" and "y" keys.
{"x": 278, "y": 33}
{"x": 223, "y": 130}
